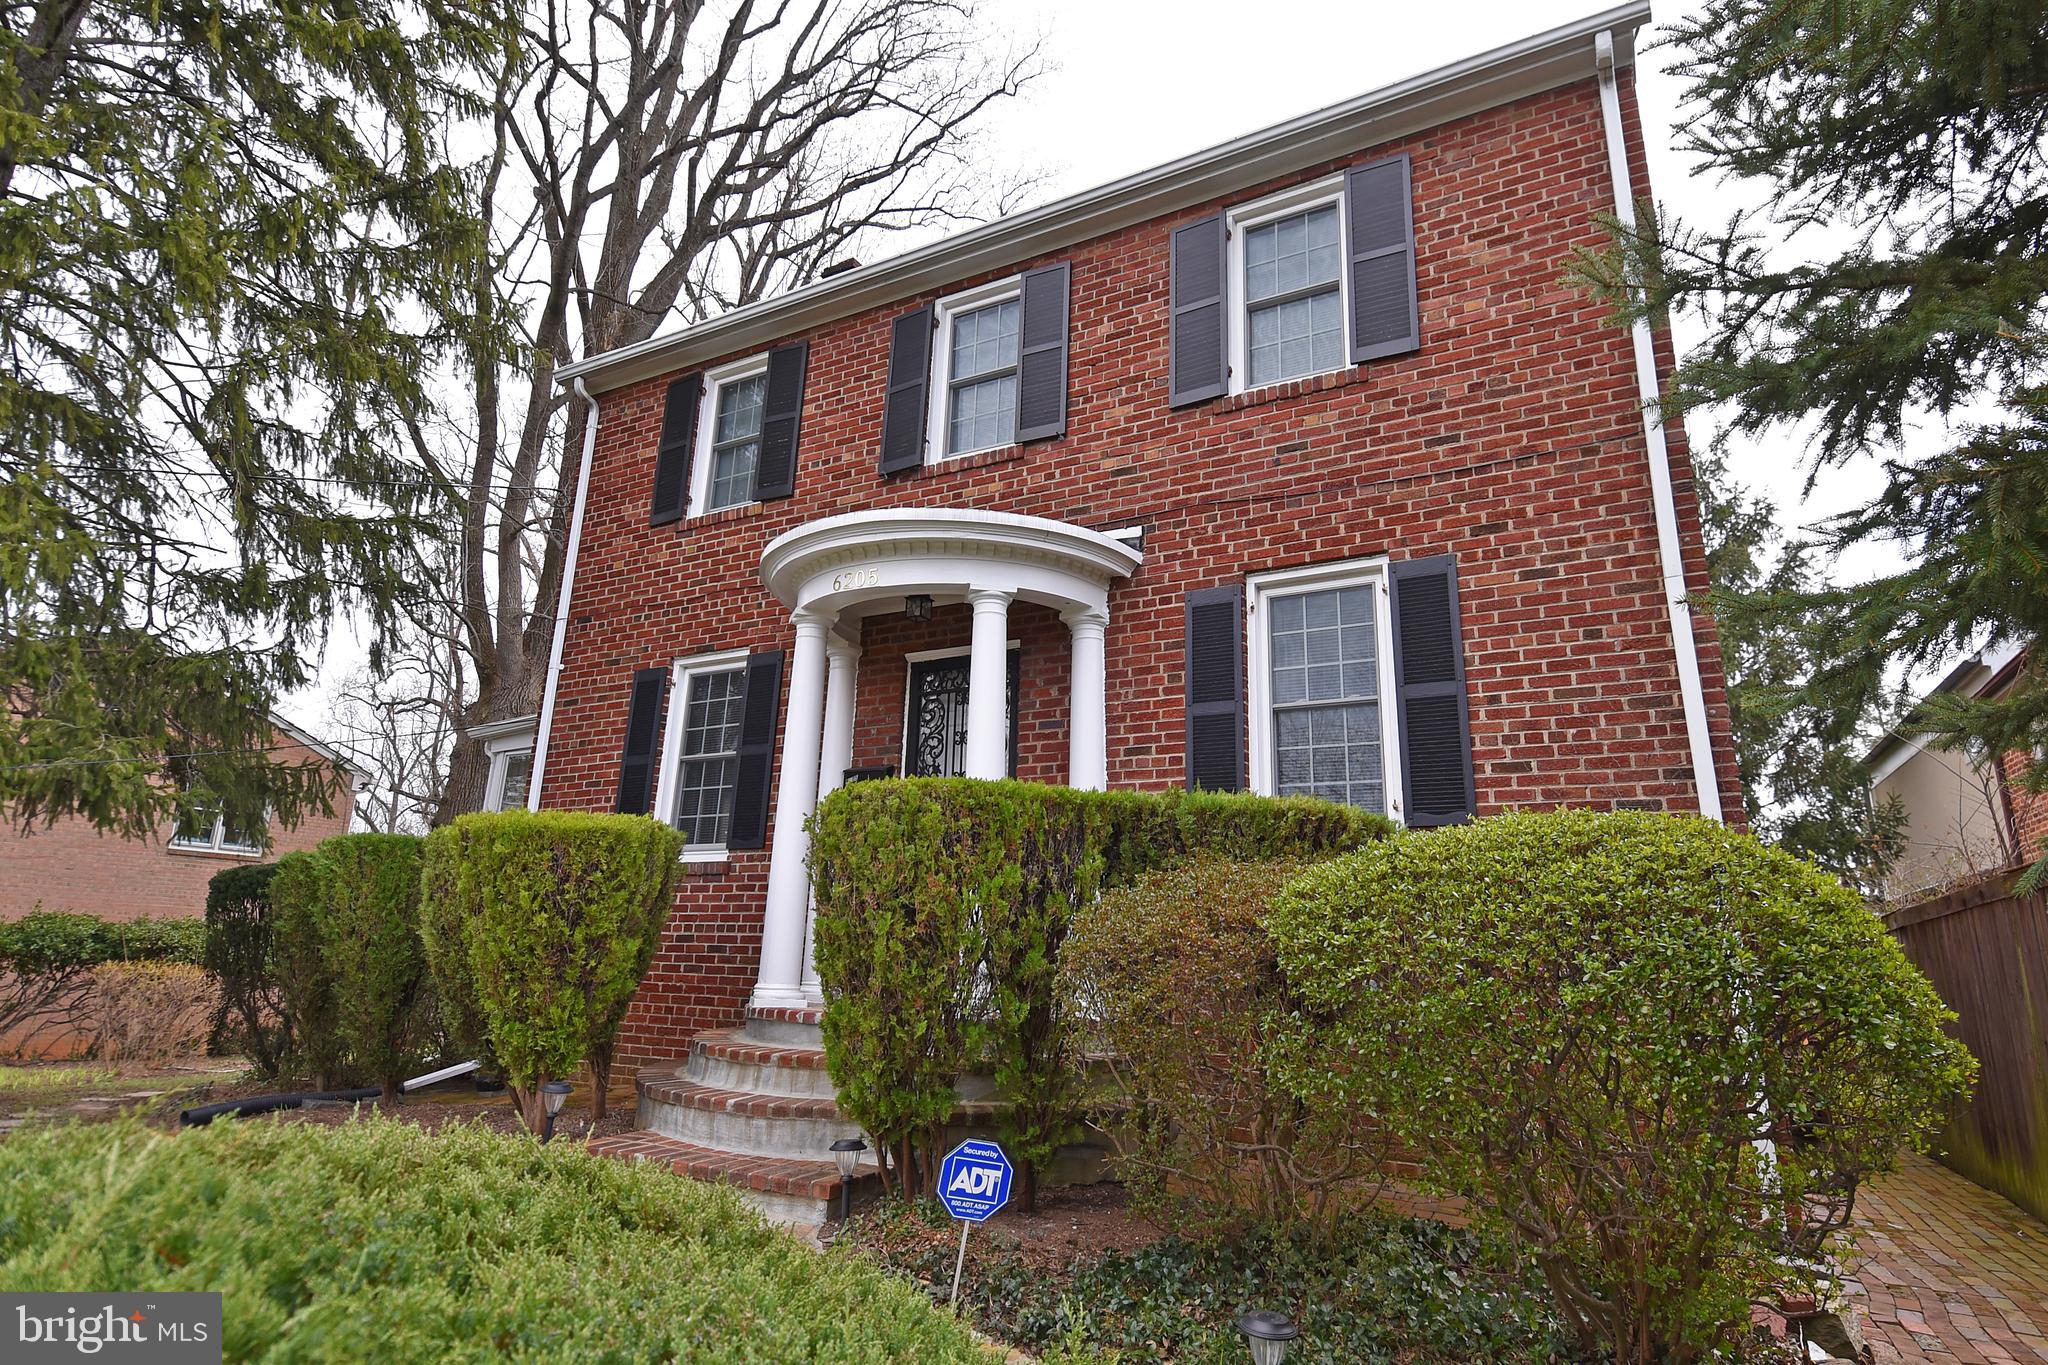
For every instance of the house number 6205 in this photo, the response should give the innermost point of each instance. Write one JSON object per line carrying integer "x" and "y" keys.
{"x": 856, "y": 578}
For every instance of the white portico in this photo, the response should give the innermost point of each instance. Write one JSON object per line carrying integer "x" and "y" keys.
{"x": 833, "y": 572}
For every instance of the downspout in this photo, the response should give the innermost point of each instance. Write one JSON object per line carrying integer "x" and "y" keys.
{"x": 1670, "y": 556}
{"x": 547, "y": 702}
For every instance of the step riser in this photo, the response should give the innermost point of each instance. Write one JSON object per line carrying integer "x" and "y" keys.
{"x": 794, "y": 1082}
{"x": 802, "y": 1139}
{"x": 781, "y": 1033}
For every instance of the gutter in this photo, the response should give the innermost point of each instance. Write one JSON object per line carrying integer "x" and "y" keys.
{"x": 1543, "y": 61}
{"x": 547, "y": 704}
{"x": 1670, "y": 557}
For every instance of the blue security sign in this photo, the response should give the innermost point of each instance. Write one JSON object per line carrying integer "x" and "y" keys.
{"x": 974, "y": 1180}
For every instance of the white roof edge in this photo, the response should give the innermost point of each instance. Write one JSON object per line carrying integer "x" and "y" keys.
{"x": 318, "y": 746}
{"x": 1967, "y": 679}
{"x": 1540, "y": 62}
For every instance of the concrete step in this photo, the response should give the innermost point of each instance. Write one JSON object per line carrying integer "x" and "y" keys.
{"x": 746, "y": 1122}
{"x": 729, "y": 1059}
{"x": 784, "y": 1027}
{"x": 803, "y": 1194}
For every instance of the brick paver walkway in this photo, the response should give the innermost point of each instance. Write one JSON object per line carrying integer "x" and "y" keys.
{"x": 1948, "y": 1272}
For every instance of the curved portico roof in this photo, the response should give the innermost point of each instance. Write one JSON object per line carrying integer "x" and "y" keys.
{"x": 840, "y": 561}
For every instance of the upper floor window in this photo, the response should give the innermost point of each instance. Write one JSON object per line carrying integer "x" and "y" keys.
{"x": 1288, "y": 284}
{"x": 729, "y": 436}
{"x": 208, "y": 828}
{"x": 700, "y": 767}
{"x": 975, "y": 400}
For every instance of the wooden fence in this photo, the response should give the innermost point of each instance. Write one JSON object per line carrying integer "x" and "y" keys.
{"x": 1986, "y": 951}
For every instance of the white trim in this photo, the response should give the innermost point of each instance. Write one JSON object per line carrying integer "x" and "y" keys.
{"x": 937, "y": 414}
{"x": 502, "y": 742}
{"x": 218, "y": 845}
{"x": 1905, "y": 748}
{"x": 547, "y": 699}
{"x": 1263, "y": 588}
{"x": 1670, "y": 555}
{"x": 707, "y": 423}
{"x": 680, "y": 674}
{"x": 1528, "y": 66}
{"x": 1236, "y": 301}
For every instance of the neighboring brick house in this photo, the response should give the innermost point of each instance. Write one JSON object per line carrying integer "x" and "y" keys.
{"x": 1966, "y": 817}
{"x": 1295, "y": 465}
{"x": 73, "y": 866}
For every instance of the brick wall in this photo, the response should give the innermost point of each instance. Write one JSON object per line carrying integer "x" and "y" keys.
{"x": 72, "y": 866}
{"x": 1512, "y": 439}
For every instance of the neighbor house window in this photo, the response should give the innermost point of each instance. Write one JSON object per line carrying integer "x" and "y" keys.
{"x": 975, "y": 404}
{"x": 701, "y": 749}
{"x": 209, "y": 829}
{"x": 729, "y": 436}
{"x": 1288, "y": 286}
{"x": 1322, "y": 710}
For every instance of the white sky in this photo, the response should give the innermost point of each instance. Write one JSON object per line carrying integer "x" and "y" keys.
{"x": 1134, "y": 83}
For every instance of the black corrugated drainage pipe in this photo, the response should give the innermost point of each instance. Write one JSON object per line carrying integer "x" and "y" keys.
{"x": 264, "y": 1104}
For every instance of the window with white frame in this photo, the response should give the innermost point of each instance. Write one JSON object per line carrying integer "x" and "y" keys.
{"x": 208, "y": 828}
{"x": 974, "y": 396}
{"x": 1320, "y": 665}
{"x": 700, "y": 752}
{"x": 1288, "y": 287}
{"x": 729, "y": 436}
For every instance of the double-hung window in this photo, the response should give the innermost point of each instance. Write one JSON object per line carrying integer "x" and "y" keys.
{"x": 1322, "y": 713}
{"x": 975, "y": 405}
{"x": 729, "y": 436}
{"x": 1288, "y": 287}
{"x": 700, "y": 765}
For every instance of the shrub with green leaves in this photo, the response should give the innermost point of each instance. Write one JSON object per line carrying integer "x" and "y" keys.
{"x": 942, "y": 907}
{"x": 441, "y": 939}
{"x": 556, "y": 916}
{"x": 251, "y": 1018}
{"x": 47, "y": 959}
{"x": 1179, "y": 989}
{"x": 370, "y": 940}
{"x": 1588, "y": 1024}
{"x": 304, "y": 976}
{"x": 377, "y": 1241}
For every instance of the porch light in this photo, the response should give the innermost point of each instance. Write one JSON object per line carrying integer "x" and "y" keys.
{"x": 553, "y": 1095}
{"x": 917, "y": 607}
{"x": 846, "y": 1155}
{"x": 1269, "y": 1333}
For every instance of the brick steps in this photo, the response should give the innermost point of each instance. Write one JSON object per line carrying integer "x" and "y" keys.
{"x": 790, "y": 1191}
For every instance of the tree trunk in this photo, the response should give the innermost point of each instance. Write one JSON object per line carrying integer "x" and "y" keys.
{"x": 600, "y": 1081}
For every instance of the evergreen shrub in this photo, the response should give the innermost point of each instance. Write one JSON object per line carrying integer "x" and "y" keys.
{"x": 251, "y": 1018}
{"x": 369, "y": 935}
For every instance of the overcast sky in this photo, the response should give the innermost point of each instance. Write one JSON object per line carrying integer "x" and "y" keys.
{"x": 1134, "y": 83}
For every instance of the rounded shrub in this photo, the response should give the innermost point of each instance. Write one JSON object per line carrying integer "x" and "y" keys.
{"x": 1180, "y": 990}
{"x": 547, "y": 921}
{"x": 1657, "y": 1053}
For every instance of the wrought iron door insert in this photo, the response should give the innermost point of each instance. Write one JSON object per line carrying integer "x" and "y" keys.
{"x": 936, "y": 742}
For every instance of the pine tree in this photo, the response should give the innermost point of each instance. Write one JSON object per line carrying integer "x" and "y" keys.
{"x": 1890, "y": 304}
{"x": 221, "y": 224}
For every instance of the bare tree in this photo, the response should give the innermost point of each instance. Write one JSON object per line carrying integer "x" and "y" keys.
{"x": 398, "y": 724}
{"x": 658, "y": 161}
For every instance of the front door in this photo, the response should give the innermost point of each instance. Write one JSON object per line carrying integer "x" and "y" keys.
{"x": 935, "y": 724}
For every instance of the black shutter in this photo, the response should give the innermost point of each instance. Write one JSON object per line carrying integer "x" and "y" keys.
{"x": 781, "y": 411}
{"x": 678, "y": 441}
{"x": 1198, "y": 363}
{"x": 1215, "y": 702}
{"x": 643, "y": 742}
{"x": 1042, "y": 353}
{"x": 1383, "y": 316}
{"x": 1429, "y": 694}
{"x": 903, "y": 412}
{"x": 757, "y": 751}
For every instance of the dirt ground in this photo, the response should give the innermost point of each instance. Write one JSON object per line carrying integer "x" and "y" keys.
{"x": 1070, "y": 1224}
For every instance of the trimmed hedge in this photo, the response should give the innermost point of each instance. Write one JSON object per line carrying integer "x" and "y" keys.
{"x": 547, "y": 921}
{"x": 370, "y": 940}
{"x": 942, "y": 906}
{"x": 377, "y": 1241}
{"x": 1584, "y": 1024}
{"x": 251, "y": 1017}
{"x": 47, "y": 958}
{"x": 305, "y": 978}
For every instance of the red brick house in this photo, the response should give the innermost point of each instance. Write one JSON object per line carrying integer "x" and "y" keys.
{"x": 73, "y": 866}
{"x": 1295, "y": 465}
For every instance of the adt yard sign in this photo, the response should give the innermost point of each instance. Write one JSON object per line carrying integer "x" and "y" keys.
{"x": 974, "y": 1180}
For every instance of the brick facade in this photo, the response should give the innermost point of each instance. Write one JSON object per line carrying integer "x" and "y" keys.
{"x": 72, "y": 866}
{"x": 1512, "y": 439}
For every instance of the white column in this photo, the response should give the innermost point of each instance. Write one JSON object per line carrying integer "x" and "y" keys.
{"x": 1087, "y": 714}
{"x": 842, "y": 664}
{"x": 988, "y": 685}
{"x": 780, "y": 983}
